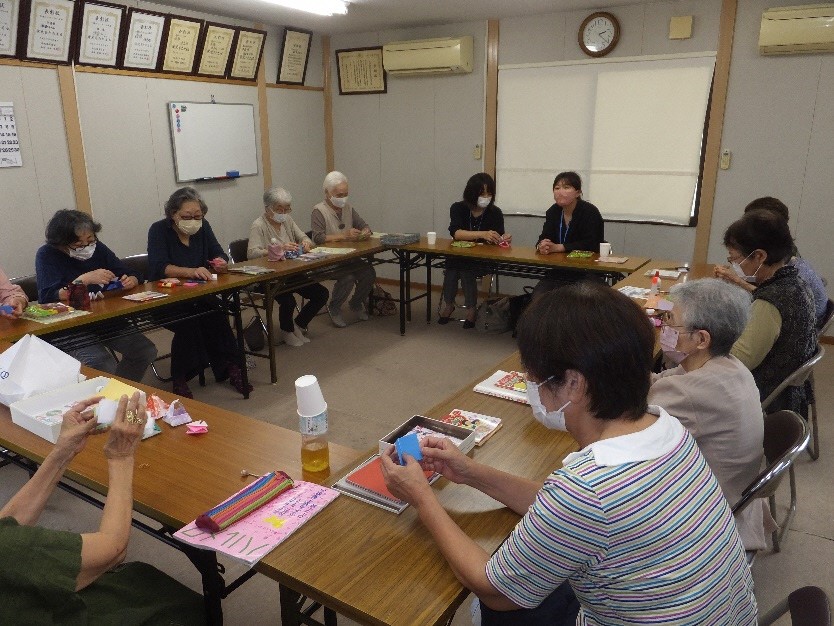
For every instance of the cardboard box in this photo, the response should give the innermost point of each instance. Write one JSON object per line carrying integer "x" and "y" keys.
{"x": 43, "y": 414}
{"x": 464, "y": 435}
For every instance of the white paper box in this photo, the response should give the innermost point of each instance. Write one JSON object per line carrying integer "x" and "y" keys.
{"x": 43, "y": 414}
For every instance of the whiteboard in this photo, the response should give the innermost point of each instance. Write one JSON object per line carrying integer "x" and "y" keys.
{"x": 213, "y": 140}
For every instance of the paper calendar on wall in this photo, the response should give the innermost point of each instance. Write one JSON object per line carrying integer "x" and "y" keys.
{"x": 9, "y": 144}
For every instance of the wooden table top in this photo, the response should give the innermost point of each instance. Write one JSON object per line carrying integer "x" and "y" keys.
{"x": 288, "y": 267}
{"x": 179, "y": 476}
{"x": 114, "y": 305}
{"x": 379, "y": 568}
{"x": 639, "y": 279}
{"x": 526, "y": 255}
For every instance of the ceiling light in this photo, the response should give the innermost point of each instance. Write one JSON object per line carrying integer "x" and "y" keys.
{"x": 319, "y": 7}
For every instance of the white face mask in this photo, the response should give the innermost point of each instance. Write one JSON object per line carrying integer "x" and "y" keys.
{"x": 279, "y": 217}
{"x": 555, "y": 420}
{"x": 339, "y": 203}
{"x": 83, "y": 254}
{"x": 483, "y": 201}
{"x": 189, "y": 227}
{"x": 740, "y": 272}
{"x": 669, "y": 345}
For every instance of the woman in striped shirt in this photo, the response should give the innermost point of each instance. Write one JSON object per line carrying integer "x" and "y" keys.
{"x": 634, "y": 522}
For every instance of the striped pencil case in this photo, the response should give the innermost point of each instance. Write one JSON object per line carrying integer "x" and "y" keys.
{"x": 244, "y": 502}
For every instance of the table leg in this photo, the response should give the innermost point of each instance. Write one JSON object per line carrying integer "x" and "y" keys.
{"x": 293, "y": 612}
{"x": 404, "y": 260}
{"x": 269, "y": 306}
{"x": 241, "y": 347}
{"x": 213, "y": 584}
{"x": 408, "y": 289}
{"x": 428, "y": 288}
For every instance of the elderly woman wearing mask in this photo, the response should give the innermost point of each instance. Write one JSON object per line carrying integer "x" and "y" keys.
{"x": 711, "y": 392}
{"x": 634, "y": 522}
{"x": 781, "y": 334}
{"x": 181, "y": 246}
{"x": 276, "y": 225}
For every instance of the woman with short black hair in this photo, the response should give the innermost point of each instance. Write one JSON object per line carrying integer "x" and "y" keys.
{"x": 781, "y": 334}
{"x": 634, "y": 523}
{"x": 73, "y": 253}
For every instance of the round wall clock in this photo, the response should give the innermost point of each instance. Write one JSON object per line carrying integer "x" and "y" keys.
{"x": 599, "y": 34}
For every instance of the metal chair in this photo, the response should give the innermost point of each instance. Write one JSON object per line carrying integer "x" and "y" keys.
{"x": 254, "y": 297}
{"x": 785, "y": 437}
{"x": 804, "y": 374}
{"x": 808, "y": 606}
{"x": 137, "y": 263}
{"x": 29, "y": 284}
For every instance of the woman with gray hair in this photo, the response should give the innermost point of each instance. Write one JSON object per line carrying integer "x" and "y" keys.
{"x": 711, "y": 392}
{"x": 276, "y": 226}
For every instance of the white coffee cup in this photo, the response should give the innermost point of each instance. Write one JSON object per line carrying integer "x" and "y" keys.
{"x": 604, "y": 249}
{"x": 431, "y": 238}
{"x": 308, "y": 396}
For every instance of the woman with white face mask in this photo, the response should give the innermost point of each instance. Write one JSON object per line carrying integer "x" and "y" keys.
{"x": 712, "y": 393}
{"x": 277, "y": 226}
{"x": 73, "y": 253}
{"x": 634, "y": 523}
{"x": 475, "y": 218}
{"x": 182, "y": 245}
{"x": 781, "y": 334}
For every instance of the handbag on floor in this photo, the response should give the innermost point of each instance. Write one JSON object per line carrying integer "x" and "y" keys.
{"x": 383, "y": 302}
{"x": 254, "y": 335}
{"x": 493, "y": 316}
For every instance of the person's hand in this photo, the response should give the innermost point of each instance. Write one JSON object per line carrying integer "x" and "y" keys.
{"x": 293, "y": 247}
{"x": 353, "y": 234}
{"x": 127, "y": 428}
{"x": 491, "y": 236}
{"x": 545, "y": 246}
{"x": 306, "y": 246}
{"x": 97, "y": 277}
{"x": 17, "y": 309}
{"x": 506, "y": 237}
{"x": 219, "y": 265}
{"x": 407, "y": 482}
{"x": 444, "y": 457}
{"x": 366, "y": 233}
{"x": 201, "y": 273}
{"x": 78, "y": 422}
{"x": 128, "y": 282}
{"x": 727, "y": 274}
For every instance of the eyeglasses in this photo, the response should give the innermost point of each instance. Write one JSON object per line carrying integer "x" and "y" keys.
{"x": 81, "y": 246}
{"x": 665, "y": 318}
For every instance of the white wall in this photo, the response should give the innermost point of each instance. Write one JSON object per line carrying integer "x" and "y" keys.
{"x": 129, "y": 157}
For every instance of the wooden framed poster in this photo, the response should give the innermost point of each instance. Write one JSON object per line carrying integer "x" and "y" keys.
{"x": 246, "y": 58}
{"x": 295, "y": 52}
{"x": 9, "y": 22}
{"x": 48, "y": 30}
{"x": 99, "y": 33}
{"x": 360, "y": 71}
{"x": 143, "y": 40}
{"x": 181, "y": 44}
{"x": 216, "y": 50}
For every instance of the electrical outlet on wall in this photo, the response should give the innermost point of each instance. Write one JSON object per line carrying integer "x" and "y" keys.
{"x": 476, "y": 152}
{"x": 724, "y": 161}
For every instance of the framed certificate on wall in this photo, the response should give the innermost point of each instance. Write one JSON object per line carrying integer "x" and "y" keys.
{"x": 360, "y": 71}
{"x": 295, "y": 52}
{"x": 99, "y": 34}
{"x": 143, "y": 40}
{"x": 216, "y": 50}
{"x": 248, "y": 50}
{"x": 49, "y": 30}
{"x": 9, "y": 16}
{"x": 181, "y": 44}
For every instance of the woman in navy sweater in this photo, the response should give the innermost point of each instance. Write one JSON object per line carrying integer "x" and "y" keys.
{"x": 182, "y": 245}
{"x": 73, "y": 252}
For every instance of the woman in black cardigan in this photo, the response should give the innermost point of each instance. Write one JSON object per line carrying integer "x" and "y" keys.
{"x": 570, "y": 224}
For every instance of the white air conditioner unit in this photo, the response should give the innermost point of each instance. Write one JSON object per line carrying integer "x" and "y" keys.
{"x": 791, "y": 30}
{"x": 448, "y": 55}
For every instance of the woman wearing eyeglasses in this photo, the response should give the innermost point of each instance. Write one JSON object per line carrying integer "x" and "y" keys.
{"x": 712, "y": 393}
{"x": 72, "y": 253}
{"x": 277, "y": 225}
{"x": 634, "y": 523}
{"x": 781, "y": 334}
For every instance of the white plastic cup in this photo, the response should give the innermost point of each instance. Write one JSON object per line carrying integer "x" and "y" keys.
{"x": 604, "y": 249}
{"x": 431, "y": 238}
{"x": 308, "y": 396}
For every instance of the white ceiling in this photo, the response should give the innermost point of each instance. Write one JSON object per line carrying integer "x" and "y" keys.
{"x": 373, "y": 15}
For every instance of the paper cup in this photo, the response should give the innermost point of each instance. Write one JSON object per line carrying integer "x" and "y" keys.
{"x": 431, "y": 238}
{"x": 308, "y": 396}
{"x": 604, "y": 249}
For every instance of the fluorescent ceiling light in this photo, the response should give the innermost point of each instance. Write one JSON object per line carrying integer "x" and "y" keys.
{"x": 319, "y": 7}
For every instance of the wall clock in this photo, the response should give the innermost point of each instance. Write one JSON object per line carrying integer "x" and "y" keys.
{"x": 599, "y": 34}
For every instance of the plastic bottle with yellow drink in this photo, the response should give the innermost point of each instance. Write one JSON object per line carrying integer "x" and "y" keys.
{"x": 312, "y": 418}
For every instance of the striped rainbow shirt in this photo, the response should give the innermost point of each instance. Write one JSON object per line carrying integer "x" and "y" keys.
{"x": 640, "y": 528}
